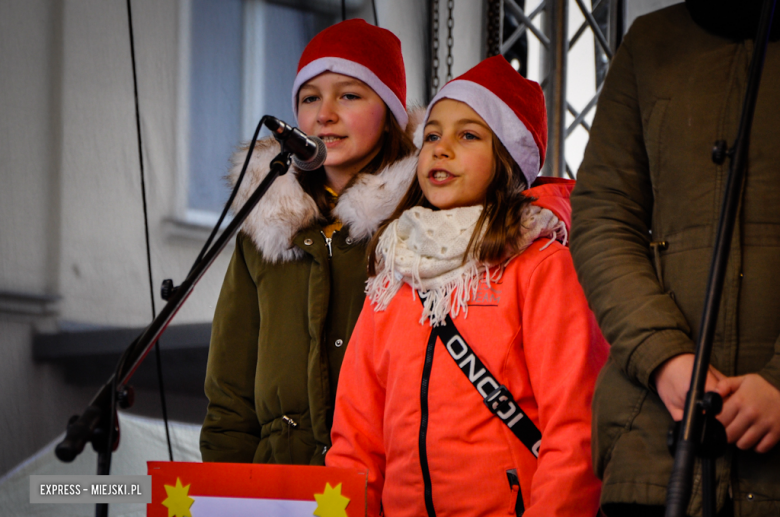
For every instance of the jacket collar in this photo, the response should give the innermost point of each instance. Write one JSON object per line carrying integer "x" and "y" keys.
{"x": 553, "y": 194}
{"x": 286, "y": 208}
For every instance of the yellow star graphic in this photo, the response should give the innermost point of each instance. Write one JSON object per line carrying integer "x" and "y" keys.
{"x": 331, "y": 503}
{"x": 178, "y": 501}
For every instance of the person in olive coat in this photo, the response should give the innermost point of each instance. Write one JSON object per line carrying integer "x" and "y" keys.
{"x": 295, "y": 285}
{"x": 645, "y": 211}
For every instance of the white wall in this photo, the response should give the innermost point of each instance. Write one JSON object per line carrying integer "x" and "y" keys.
{"x": 468, "y": 33}
{"x": 71, "y": 219}
{"x": 103, "y": 270}
{"x": 580, "y": 85}
{"x": 29, "y": 137}
{"x": 29, "y": 217}
{"x": 407, "y": 19}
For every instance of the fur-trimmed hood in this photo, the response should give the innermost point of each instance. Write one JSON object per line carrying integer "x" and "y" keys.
{"x": 286, "y": 208}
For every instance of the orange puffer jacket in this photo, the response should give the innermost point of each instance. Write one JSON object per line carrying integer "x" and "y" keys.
{"x": 534, "y": 332}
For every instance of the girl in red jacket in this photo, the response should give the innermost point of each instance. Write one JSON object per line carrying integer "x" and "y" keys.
{"x": 467, "y": 384}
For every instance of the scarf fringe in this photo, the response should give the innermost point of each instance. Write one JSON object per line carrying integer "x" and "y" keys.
{"x": 564, "y": 237}
{"x": 454, "y": 296}
{"x": 447, "y": 298}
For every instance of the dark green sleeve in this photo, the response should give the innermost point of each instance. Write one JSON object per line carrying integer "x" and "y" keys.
{"x": 231, "y": 430}
{"x": 612, "y": 207}
{"x": 771, "y": 372}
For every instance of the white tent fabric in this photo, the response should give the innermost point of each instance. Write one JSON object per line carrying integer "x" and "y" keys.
{"x": 142, "y": 440}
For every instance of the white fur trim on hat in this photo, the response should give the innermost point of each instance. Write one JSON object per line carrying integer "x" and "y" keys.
{"x": 504, "y": 122}
{"x": 352, "y": 69}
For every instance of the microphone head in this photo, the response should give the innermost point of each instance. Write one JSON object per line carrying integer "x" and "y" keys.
{"x": 316, "y": 161}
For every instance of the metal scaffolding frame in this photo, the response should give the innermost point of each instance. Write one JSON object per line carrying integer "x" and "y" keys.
{"x": 553, "y": 39}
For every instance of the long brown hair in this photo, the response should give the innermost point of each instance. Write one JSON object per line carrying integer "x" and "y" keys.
{"x": 500, "y": 217}
{"x": 396, "y": 145}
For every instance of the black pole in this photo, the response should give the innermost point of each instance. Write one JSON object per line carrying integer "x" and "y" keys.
{"x": 680, "y": 482}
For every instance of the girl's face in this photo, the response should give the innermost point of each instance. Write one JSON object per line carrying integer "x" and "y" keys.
{"x": 348, "y": 116}
{"x": 456, "y": 163}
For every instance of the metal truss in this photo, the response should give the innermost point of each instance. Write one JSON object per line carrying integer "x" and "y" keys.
{"x": 604, "y": 19}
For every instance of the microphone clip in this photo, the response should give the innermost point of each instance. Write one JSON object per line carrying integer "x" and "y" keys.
{"x": 167, "y": 289}
{"x": 309, "y": 152}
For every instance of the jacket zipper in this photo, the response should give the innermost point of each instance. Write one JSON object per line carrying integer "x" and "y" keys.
{"x": 290, "y": 424}
{"x": 328, "y": 241}
{"x": 658, "y": 247}
{"x": 424, "y": 423}
{"x": 514, "y": 481}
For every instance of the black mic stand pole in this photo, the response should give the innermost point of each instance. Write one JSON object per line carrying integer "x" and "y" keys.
{"x": 699, "y": 432}
{"x": 98, "y": 424}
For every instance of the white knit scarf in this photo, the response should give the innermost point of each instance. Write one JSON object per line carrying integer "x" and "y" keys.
{"x": 425, "y": 249}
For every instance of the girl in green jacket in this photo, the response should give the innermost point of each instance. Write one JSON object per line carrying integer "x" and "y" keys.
{"x": 295, "y": 285}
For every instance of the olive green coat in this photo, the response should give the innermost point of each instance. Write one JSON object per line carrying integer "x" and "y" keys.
{"x": 647, "y": 177}
{"x": 285, "y": 314}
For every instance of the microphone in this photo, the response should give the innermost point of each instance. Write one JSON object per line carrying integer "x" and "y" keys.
{"x": 309, "y": 152}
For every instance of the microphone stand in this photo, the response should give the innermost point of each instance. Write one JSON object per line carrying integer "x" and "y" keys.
{"x": 98, "y": 423}
{"x": 699, "y": 433}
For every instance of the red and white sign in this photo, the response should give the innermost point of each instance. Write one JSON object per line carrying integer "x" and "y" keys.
{"x": 182, "y": 489}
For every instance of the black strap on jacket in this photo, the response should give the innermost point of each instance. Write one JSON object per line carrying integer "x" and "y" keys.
{"x": 496, "y": 396}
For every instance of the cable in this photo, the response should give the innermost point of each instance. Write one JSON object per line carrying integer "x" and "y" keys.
{"x": 373, "y": 6}
{"x": 343, "y": 10}
{"x": 148, "y": 247}
{"x": 232, "y": 196}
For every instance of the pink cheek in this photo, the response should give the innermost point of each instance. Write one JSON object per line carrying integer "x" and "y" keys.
{"x": 422, "y": 166}
{"x": 366, "y": 133}
{"x": 305, "y": 122}
{"x": 371, "y": 122}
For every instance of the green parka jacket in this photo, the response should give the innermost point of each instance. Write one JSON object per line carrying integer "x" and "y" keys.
{"x": 285, "y": 314}
{"x": 647, "y": 178}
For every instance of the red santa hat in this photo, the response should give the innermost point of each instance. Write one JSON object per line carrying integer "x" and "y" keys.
{"x": 511, "y": 105}
{"x": 363, "y": 51}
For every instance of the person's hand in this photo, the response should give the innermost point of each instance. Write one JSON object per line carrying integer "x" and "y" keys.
{"x": 751, "y": 412}
{"x": 673, "y": 378}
